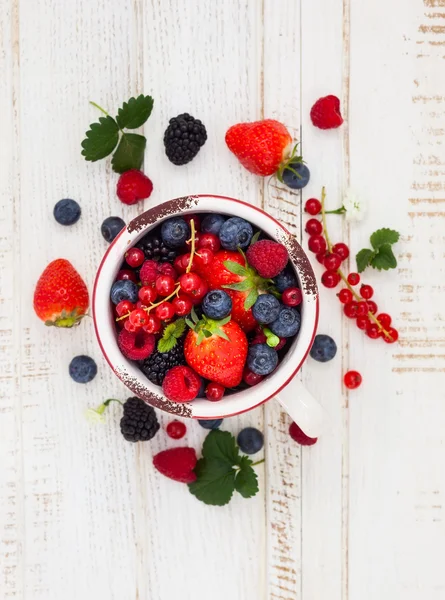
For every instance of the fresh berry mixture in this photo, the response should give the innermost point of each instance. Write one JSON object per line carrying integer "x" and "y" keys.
{"x": 205, "y": 307}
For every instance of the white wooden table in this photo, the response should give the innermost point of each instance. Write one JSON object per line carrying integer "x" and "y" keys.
{"x": 359, "y": 516}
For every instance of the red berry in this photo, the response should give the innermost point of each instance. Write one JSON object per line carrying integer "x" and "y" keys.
{"x": 181, "y": 384}
{"x": 383, "y": 319}
{"x": 373, "y": 331}
{"x": 317, "y": 244}
{"x": 292, "y": 297}
{"x": 321, "y": 256}
{"x": 133, "y": 186}
{"x": 165, "y": 285}
{"x": 332, "y": 262}
{"x": 366, "y": 292}
{"x": 214, "y": 391}
{"x": 353, "y": 278}
{"x": 134, "y": 257}
{"x": 181, "y": 262}
{"x": 153, "y": 324}
{"x": 149, "y": 272}
{"x": 189, "y": 241}
{"x": 200, "y": 292}
{"x": 300, "y": 437}
{"x": 251, "y": 378}
{"x": 350, "y": 309}
{"x": 352, "y": 380}
{"x": 210, "y": 241}
{"x": 138, "y": 317}
{"x": 182, "y": 305}
{"x": 136, "y": 345}
{"x": 125, "y": 274}
{"x": 345, "y": 296}
{"x": 190, "y": 282}
{"x": 372, "y": 306}
{"x": 267, "y": 257}
{"x": 203, "y": 257}
{"x": 188, "y": 218}
{"x": 362, "y": 309}
{"x": 394, "y": 336}
{"x": 176, "y": 430}
{"x": 130, "y": 327}
{"x": 167, "y": 269}
{"x": 363, "y": 322}
{"x": 281, "y": 344}
{"x": 341, "y": 249}
{"x": 312, "y": 206}
{"x": 314, "y": 227}
{"x": 260, "y": 338}
{"x": 330, "y": 279}
{"x": 177, "y": 464}
{"x": 124, "y": 307}
{"x": 325, "y": 113}
{"x": 147, "y": 294}
{"x": 165, "y": 311}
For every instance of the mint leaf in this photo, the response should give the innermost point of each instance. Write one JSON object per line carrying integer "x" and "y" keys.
{"x": 167, "y": 344}
{"x": 130, "y": 153}
{"x": 384, "y": 236}
{"x": 241, "y": 286}
{"x": 171, "y": 333}
{"x": 135, "y": 112}
{"x": 101, "y": 139}
{"x": 384, "y": 259}
{"x": 246, "y": 481}
{"x": 363, "y": 259}
{"x": 235, "y": 268}
{"x": 251, "y": 299}
{"x": 221, "y": 445}
{"x": 215, "y": 481}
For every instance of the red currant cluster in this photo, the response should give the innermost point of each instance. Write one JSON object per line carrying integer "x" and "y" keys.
{"x": 356, "y": 305}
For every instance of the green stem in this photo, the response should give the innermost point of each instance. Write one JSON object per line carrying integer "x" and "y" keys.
{"x": 100, "y": 108}
{"x": 338, "y": 211}
{"x": 258, "y": 462}
{"x": 323, "y": 216}
{"x": 107, "y": 402}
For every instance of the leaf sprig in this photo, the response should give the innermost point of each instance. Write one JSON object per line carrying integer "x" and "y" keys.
{"x": 170, "y": 335}
{"x": 381, "y": 256}
{"x": 205, "y": 327}
{"x": 103, "y": 136}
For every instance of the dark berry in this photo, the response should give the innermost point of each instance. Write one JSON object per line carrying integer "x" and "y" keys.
{"x": 210, "y": 423}
{"x": 352, "y": 380}
{"x": 251, "y": 378}
{"x": 176, "y": 430}
{"x": 157, "y": 364}
{"x": 235, "y": 233}
{"x": 82, "y": 369}
{"x": 196, "y": 221}
{"x": 312, "y": 206}
{"x": 250, "y": 440}
{"x": 266, "y": 308}
{"x": 314, "y": 227}
{"x": 139, "y": 422}
{"x": 296, "y": 175}
{"x": 175, "y": 232}
{"x": 155, "y": 249}
{"x": 262, "y": 359}
{"x": 212, "y": 223}
{"x": 111, "y": 227}
{"x": 124, "y": 289}
{"x": 287, "y": 324}
{"x": 285, "y": 280}
{"x": 127, "y": 274}
{"x": 183, "y": 138}
{"x": 323, "y": 349}
{"x": 67, "y": 212}
{"x": 217, "y": 304}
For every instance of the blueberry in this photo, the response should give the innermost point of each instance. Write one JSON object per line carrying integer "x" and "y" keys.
{"x": 111, "y": 227}
{"x": 250, "y": 440}
{"x": 324, "y": 348}
{"x": 296, "y": 182}
{"x": 82, "y": 369}
{"x": 266, "y": 309}
{"x": 262, "y": 359}
{"x": 175, "y": 232}
{"x": 235, "y": 233}
{"x": 217, "y": 304}
{"x": 124, "y": 290}
{"x": 287, "y": 324}
{"x": 67, "y": 212}
{"x": 210, "y": 423}
{"x": 212, "y": 224}
{"x": 285, "y": 280}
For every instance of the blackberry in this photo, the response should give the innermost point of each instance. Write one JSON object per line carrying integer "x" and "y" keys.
{"x": 183, "y": 138}
{"x": 157, "y": 364}
{"x": 155, "y": 249}
{"x": 139, "y": 422}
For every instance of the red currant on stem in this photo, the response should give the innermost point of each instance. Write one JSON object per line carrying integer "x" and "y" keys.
{"x": 124, "y": 307}
{"x": 362, "y": 309}
{"x": 350, "y": 309}
{"x": 190, "y": 282}
{"x": 182, "y": 305}
{"x": 321, "y": 256}
{"x": 147, "y": 294}
{"x": 312, "y": 206}
{"x": 383, "y": 319}
{"x": 352, "y": 380}
{"x": 197, "y": 221}
{"x": 210, "y": 241}
{"x": 181, "y": 262}
{"x": 138, "y": 317}
{"x": 189, "y": 242}
{"x": 314, "y": 227}
{"x": 153, "y": 324}
{"x": 134, "y": 257}
{"x": 373, "y": 331}
{"x": 393, "y": 336}
{"x": 176, "y": 430}
{"x": 330, "y": 279}
{"x": 353, "y": 278}
{"x": 317, "y": 244}
{"x": 332, "y": 262}
{"x": 203, "y": 257}
{"x": 130, "y": 327}
{"x": 363, "y": 322}
{"x": 345, "y": 296}
{"x": 341, "y": 249}
{"x": 125, "y": 274}
{"x": 292, "y": 297}
{"x": 165, "y": 285}
{"x": 372, "y": 306}
{"x": 366, "y": 292}
{"x": 214, "y": 391}
{"x": 165, "y": 311}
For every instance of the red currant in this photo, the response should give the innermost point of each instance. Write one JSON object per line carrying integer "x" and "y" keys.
{"x": 138, "y": 317}
{"x": 292, "y": 297}
{"x": 345, "y": 296}
{"x": 165, "y": 285}
{"x": 203, "y": 257}
{"x": 165, "y": 311}
{"x": 393, "y": 336}
{"x": 350, "y": 309}
{"x": 147, "y": 294}
{"x": 200, "y": 292}
{"x": 353, "y": 278}
{"x": 153, "y": 324}
{"x": 317, "y": 244}
{"x": 332, "y": 262}
{"x": 352, "y": 380}
{"x": 125, "y": 274}
{"x": 130, "y": 327}
{"x": 197, "y": 220}
{"x": 321, "y": 256}
{"x": 373, "y": 331}
{"x": 214, "y": 391}
{"x": 372, "y": 306}
{"x": 341, "y": 249}
{"x": 363, "y": 322}
{"x": 210, "y": 241}
{"x": 312, "y": 206}
{"x": 280, "y": 344}
{"x": 182, "y": 305}
{"x": 176, "y": 430}
{"x": 366, "y": 292}
{"x": 362, "y": 309}
{"x": 181, "y": 262}
{"x": 124, "y": 307}
{"x": 314, "y": 227}
{"x": 250, "y": 377}
{"x": 383, "y": 319}
{"x": 330, "y": 279}
{"x": 134, "y": 257}
{"x": 190, "y": 282}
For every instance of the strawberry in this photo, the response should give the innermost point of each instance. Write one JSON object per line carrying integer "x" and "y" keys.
{"x": 217, "y": 350}
{"x": 61, "y": 296}
{"x": 260, "y": 146}
{"x": 177, "y": 464}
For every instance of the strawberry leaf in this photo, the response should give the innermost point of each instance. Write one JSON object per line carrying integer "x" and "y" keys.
{"x": 130, "y": 153}
{"x": 241, "y": 286}
{"x": 384, "y": 236}
{"x": 221, "y": 445}
{"x": 215, "y": 482}
{"x": 363, "y": 259}
{"x": 235, "y": 268}
{"x": 135, "y": 112}
{"x": 167, "y": 344}
{"x": 251, "y": 299}
{"x": 101, "y": 139}
{"x": 179, "y": 327}
{"x": 170, "y": 335}
{"x": 200, "y": 339}
{"x": 384, "y": 259}
{"x": 246, "y": 481}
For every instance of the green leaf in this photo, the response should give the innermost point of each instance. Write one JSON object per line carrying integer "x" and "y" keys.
{"x": 222, "y": 334}
{"x": 200, "y": 338}
{"x": 241, "y": 286}
{"x": 222, "y": 322}
{"x": 169, "y": 331}
{"x": 215, "y": 481}
{"x": 101, "y": 139}
{"x": 194, "y": 316}
{"x": 190, "y": 323}
{"x": 130, "y": 153}
{"x": 167, "y": 344}
{"x": 384, "y": 259}
{"x": 255, "y": 238}
{"x": 384, "y": 236}
{"x": 221, "y": 445}
{"x": 251, "y": 299}
{"x": 235, "y": 268}
{"x": 208, "y": 334}
{"x": 246, "y": 481}
{"x": 135, "y": 112}
{"x": 179, "y": 327}
{"x": 363, "y": 259}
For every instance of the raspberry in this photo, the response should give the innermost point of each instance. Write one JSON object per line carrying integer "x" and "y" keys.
{"x": 325, "y": 113}
{"x": 176, "y": 430}
{"x": 181, "y": 384}
{"x": 267, "y": 257}
{"x": 136, "y": 346}
{"x": 139, "y": 422}
{"x": 177, "y": 464}
{"x": 300, "y": 437}
{"x": 133, "y": 186}
{"x": 149, "y": 272}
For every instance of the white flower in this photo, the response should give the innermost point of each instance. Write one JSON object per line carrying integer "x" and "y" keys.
{"x": 354, "y": 206}
{"x": 94, "y": 416}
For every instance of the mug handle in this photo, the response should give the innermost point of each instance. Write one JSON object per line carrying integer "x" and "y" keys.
{"x": 303, "y": 408}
